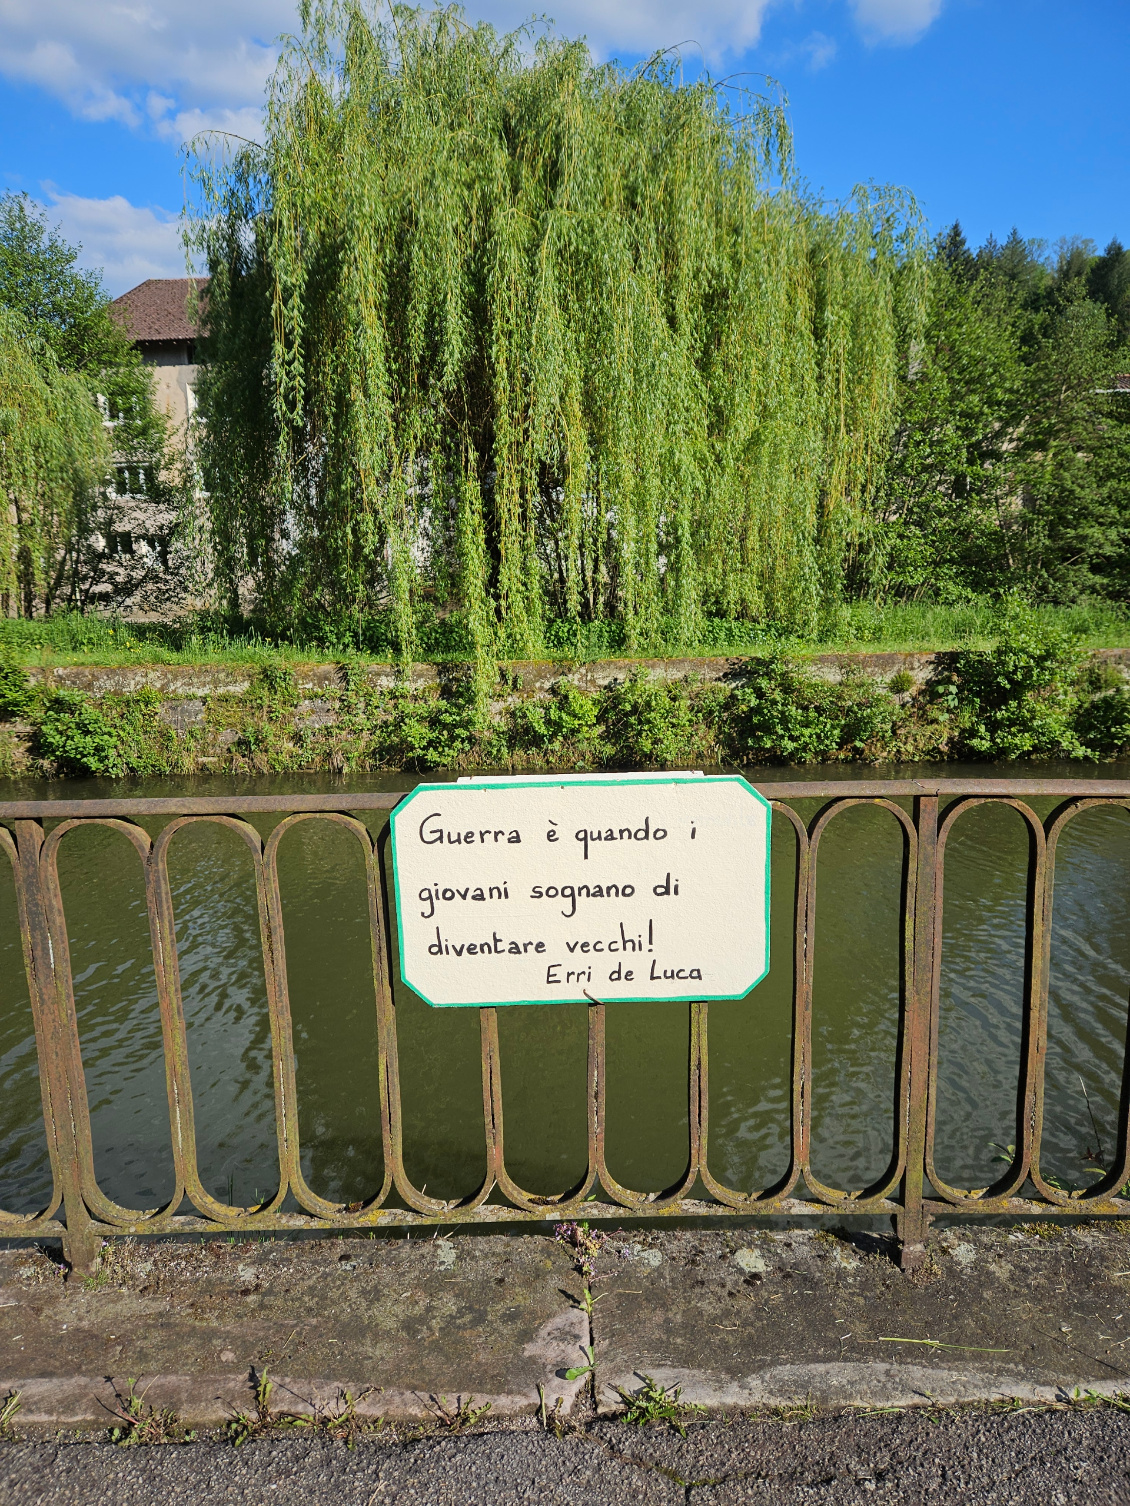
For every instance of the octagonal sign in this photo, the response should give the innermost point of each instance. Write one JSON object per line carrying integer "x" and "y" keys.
{"x": 557, "y": 889}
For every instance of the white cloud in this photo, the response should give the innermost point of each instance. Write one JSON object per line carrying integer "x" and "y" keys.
{"x": 895, "y": 20}
{"x": 725, "y": 28}
{"x": 125, "y": 242}
{"x": 111, "y": 61}
{"x": 176, "y": 68}
{"x": 819, "y": 49}
{"x": 173, "y": 69}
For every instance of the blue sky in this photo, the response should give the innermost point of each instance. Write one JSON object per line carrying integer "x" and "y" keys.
{"x": 994, "y": 112}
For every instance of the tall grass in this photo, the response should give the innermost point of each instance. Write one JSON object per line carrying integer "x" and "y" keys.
{"x": 856, "y": 626}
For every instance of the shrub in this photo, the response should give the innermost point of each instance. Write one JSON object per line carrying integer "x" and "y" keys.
{"x": 649, "y": 721}
{"x": 430, "y": 732}
{"x": 780, "y": 712}
{"x": 1019, "y": 699}
{"x": 1103, "y": 723}
{"x": 568, "y": 719}
{"x": 75, "y": 734}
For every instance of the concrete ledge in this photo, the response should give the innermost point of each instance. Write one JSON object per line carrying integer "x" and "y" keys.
{"x": 740, "y": 1320}
{"x": 833, "y": 1386}
{"x": 524, "y": 677}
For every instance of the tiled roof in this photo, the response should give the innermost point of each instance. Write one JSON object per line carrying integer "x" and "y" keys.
{"x": 158, "y": 309}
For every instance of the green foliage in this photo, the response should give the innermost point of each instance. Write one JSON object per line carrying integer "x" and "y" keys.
{"x": 780, "y": 712}
{"x": 649, "y": 721}
{"x": 565, "y": 718}
{"x": 1011, "y": 463}
{"x": 65, "y": 366}
{"x": 75, "y": 734}
{"x": 16, "y": 694}
{"x": 656, "y": 1403}
{"x": 537, "y": 339}
{"x": 1019, "y": 699}
{"x": 1103, "y": 723}
{"x": 430, "y": 732}
{"x": 53, "y": 456}
{"x": 1031, "y": 695}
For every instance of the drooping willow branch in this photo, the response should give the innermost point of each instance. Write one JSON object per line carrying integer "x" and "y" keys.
{"x": 536, "y": 339}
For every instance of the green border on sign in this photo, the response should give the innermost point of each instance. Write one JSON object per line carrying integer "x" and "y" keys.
{"x": 518, "y": 784}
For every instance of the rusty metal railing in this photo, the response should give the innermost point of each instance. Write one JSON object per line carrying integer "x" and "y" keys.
{"x": 911, "y": 1190}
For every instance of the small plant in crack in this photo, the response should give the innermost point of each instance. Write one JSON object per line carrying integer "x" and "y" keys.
{"x": 588, "y": 1302}
{"x": 796, "y": 1411}
{"x": 142, "y": 1424}
{"x": 577, "y": 1371}
{"x": 245, "y": 1425}
{"x": 584, "y": 1244}
{"x": 465, "y": 1415}
{"x": 8, "y": 1409}
{"x": 343, "y": 1426}
{"x": 656, "y": 1403}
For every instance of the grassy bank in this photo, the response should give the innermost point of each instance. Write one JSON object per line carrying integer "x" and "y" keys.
{"x": 1036, "y": 693}
{"x": 856, "y": 627}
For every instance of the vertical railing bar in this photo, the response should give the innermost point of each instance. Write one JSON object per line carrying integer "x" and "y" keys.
{"x": 389, "y": 1059}
{"x": 700, "y": 1086}
{"x": 913, "y": 1221}
{"x": 80, "y": 1243}
{"x": 1031, "y": 1085}
{"x": 492, "y": 1102}
{"x": 44, "y": 1032}
{"x": 41, "y": 1028}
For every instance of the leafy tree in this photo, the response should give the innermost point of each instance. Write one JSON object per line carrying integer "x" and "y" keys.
{"x": 1072, "y": 527}
{"x": 538, "y": 339}
{"x": 53, "y": 458}
{"x": 1108, "y": 282}
{"x": 936, "y": 528}
{"x": 1011, "y": 463}
{"x": 75, "y": 366}
{"x": 69, "y": 312}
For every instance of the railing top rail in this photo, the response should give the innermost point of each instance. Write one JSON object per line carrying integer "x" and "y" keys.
{"x": 336, "y": 800}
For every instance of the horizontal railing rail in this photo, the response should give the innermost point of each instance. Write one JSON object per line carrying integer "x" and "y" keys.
{"x": 911, "y": 1190}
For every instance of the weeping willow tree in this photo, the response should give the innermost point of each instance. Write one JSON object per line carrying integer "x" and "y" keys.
{"x": 53, "y": 459}
{"x": 536, "y": 339}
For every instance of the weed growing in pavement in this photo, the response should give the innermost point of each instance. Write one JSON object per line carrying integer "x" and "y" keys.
{"x": 466, "y": 1414}
{"x": 142, "y": 1424}
{"x": 245, "y": 1425}
{"x": 1083, "y": 1397}
{"x": 578, "y": 1370}
{"x": 794, "y": 1411}
{"x": 343, "y": 1426}
{"x": 588, "y": 1302}
{"x": 656, "y": 1403}
{"x": 8, "y": 1409}
{"x": 584, "y": 1243}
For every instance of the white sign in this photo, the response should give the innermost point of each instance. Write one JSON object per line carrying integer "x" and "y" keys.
{"x": 548, "y": 890}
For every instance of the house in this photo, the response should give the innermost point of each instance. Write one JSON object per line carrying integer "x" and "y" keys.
{"x": 137, "y": 564}
{"x": 158, "y": 318}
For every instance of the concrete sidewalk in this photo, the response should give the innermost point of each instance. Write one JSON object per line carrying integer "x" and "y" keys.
{"x": 414, "y": 1329}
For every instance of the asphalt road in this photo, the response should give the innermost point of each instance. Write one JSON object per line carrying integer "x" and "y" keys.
{"x": 972, "y": 1456}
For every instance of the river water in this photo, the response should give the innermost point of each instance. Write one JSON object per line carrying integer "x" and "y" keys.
{"x": 855, "y": 1005}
